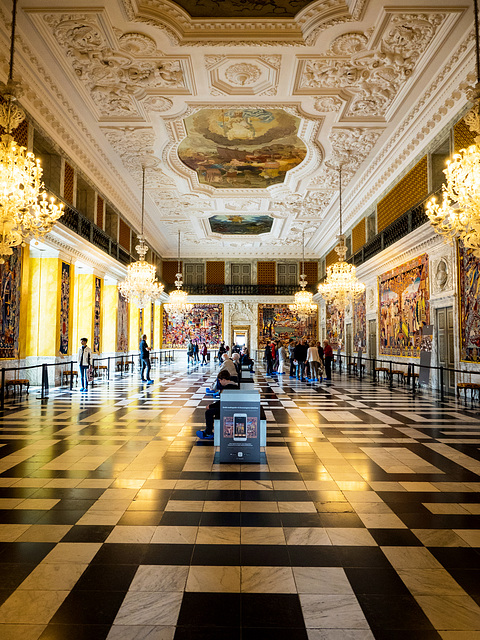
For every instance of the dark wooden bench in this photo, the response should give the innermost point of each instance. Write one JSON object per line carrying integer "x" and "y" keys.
{"x": 66, "y": 375}
{"x": 384, "y": 370}
{"x": 17, "y": 383}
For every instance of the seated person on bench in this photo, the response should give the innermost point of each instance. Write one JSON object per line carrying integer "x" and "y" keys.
{"x": 228, "y": 365}
{"x": 213, "y": 410}
{"x": 246, "y": 360}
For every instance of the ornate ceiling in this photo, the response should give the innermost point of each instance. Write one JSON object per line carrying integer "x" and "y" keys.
{"x": 235, "y": 107}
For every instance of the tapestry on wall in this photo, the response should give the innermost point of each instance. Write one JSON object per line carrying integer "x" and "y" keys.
{"x": 278, "y": 322}
{"x": 122, "y": 324}
{"x": 360, "y": 323}
{"x": 404, "y": 308}
{"x": 96, "y": 316}
{"x": 152, "y": 325}
{"x": 203, "y": 324}
{"x": 469, "y": 301}
{"x": 64, "y": 308}
{"x": 10, "y": 283}
{"x": 335, "y": 326}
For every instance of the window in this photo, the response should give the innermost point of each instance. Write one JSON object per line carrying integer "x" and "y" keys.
{"x": 438, "y": 162}
{"x": 240, "y": 273}
{"x": 85, "y": 198}
{"x": 50, "y": 160}
{"x": 287, "y": 273}
{"x": 194, "y": 273}
{"x": 371, "y": 226}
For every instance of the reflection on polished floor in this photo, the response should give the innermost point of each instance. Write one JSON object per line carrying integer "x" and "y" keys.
{"x": 116, "y": 523}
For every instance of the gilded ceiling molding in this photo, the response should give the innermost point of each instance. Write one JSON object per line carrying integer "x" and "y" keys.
{"x": 300, "y": 30}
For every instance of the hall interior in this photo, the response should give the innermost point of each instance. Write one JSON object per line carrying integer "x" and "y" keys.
{"x": 239, "y": 172}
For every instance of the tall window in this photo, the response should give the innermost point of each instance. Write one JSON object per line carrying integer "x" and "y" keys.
{"x": 194, "y": 273}
{"x": 240, "y": 273}
{"x": 287, "y": 273}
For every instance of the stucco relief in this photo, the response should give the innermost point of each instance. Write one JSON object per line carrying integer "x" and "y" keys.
{"x": 350, "y": 145}
{"x": 114, "y": 76}
{"x": 371, "y": 299}
{"x": 373, "y": 77}
{"x": 442, "y": 274}
{"x": 326, "y": 104}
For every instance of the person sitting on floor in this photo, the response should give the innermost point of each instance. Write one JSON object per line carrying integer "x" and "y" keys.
{"x": 213, "y": 410}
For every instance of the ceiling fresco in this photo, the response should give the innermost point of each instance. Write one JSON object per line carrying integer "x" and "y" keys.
{"x": 241, "y": 225}
{"x": 242, "y": 148}
{"x": 242, "y": 108}
{"x": 243, "y": 8}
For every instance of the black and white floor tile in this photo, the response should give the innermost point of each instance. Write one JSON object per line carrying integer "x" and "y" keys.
{"x": 116, "y": 522}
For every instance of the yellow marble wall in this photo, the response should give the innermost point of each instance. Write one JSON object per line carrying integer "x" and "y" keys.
{"x": 147, "y": 319}
{"x": 133, "y": 327}
{"x": 109, "y": 318}
{"x": 157, "y": 330}
{"x": 42, "y": 335}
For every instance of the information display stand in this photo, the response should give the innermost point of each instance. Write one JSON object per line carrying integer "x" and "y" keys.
{"x": 239, "y": 428}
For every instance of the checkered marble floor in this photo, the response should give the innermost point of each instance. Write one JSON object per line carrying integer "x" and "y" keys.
{"x": 116, "y": 522}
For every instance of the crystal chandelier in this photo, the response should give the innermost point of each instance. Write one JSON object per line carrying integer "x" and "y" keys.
{"x": 459, "y": 214}
{"x": 24, "y": 208}
{"x": 303, "y": 307}
{"x": 141, "y": 286}
{"x": 341, "y": 285}
{"x": 178, "y": 306}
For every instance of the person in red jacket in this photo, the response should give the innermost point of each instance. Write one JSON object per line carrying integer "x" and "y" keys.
{"x": 328, "y": 359}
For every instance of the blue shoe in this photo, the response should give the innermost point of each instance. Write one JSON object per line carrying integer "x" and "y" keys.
{"x": 291, "y": 376}
{"x": 150, "y": 382}
{"x": 82, "y": 389}
{"x": 208, "y": 437}
{"x": 200, "y": 434}
{"x": 210, "y": 391}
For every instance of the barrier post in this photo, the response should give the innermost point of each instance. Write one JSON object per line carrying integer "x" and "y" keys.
{"x": 71, "y": 375}
{"x": 441, "y": 384}
{"x": 44, "y": 393}
{"x": 413, "y": 379}
{"x": 108, "y": 368}
{"x": 391, "y": 375}
{"x": 374, "y": 377}
{"x": 2, "y": 391}
{"x": 121, "y": 366}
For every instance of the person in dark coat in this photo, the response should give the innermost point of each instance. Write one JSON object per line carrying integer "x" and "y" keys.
{"x": 269, "y": 359}
{"x": 300, "y": 355}
{"x": 328, "y": 358}
{"x": 145, "y": 359}
{"x": 213, "y": 410}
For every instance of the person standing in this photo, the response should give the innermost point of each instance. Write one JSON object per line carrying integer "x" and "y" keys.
{"x": 221, "y": 351}
{"x": 269, "y": 358}
{"x": 314, "y": 361}
{"x": 291, "y": 350}
{"x": 282, "y": 357}
{"x": 204, "y": 353}
{"x": 328, "y": 358}
{"x": 300, "y": 355}
{"x": 84, "y": 363}
{"x": 189, "y": 353}
{"x": 195, "y": 352}
{"x": 145, "y": 359}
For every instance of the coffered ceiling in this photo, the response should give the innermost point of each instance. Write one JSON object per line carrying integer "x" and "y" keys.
{"x": 242, "y": 108}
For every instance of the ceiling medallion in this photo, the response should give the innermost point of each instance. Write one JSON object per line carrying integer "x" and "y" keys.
{"x": 243, "y": 74}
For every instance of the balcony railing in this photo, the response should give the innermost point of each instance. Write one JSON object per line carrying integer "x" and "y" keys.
{"x": 76, "y": 221}
{"x": 243, "y": 289}
{"x": 402, "y": 226}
